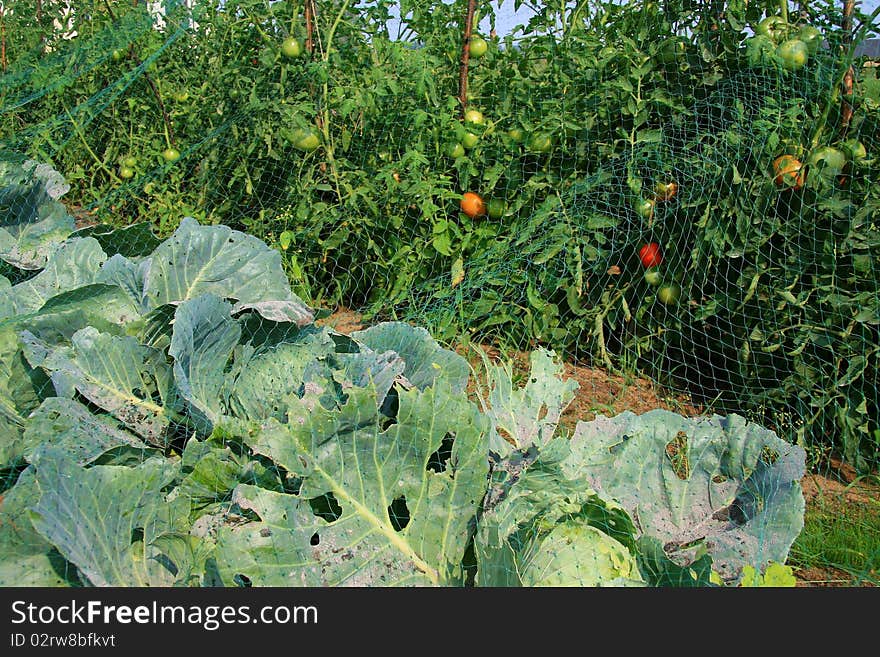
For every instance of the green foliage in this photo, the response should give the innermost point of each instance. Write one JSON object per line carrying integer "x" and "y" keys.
{"x": 778, "y": 288}
{"x": 184, "y": 436}
{"x": 776, "y": 575}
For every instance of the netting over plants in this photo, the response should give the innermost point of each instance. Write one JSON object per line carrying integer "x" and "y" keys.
{"x": 680, "y": 191}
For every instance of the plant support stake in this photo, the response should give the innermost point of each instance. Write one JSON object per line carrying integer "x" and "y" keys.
{"x": 465, "y": 55}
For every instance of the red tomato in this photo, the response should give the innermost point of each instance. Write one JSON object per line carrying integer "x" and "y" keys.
{"x": 650, "y": 255}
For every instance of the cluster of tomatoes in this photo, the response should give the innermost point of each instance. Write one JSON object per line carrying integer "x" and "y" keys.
{"x": 650, "y": 253}
{"x": 832, "y": 162}
{"x": 777, "y": 41}
{"x": 473, "y": 205}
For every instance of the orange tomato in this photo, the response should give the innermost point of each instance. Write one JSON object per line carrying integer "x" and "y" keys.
{"x": 787, "y": 172}
{"x": 473, "y": 205}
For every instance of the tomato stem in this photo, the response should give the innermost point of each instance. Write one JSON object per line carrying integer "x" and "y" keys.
{"x": 166, "y": 119}
{"x": 88, "y": 148}
{"x": 325, "y": 110}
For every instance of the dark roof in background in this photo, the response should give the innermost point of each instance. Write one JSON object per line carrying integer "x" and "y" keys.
{"x": 869, "y": 48}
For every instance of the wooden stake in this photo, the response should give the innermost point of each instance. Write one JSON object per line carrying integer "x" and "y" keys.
{"x": 847, "y": 108}
{"x": 465, "y": 55}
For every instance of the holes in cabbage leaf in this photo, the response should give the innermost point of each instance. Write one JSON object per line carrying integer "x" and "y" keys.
{"x": 398, "y": 513}
{"x": 326, "y": 506}
{"x": 242, "y": 580}
{"x": 438, "y": 460}
{"x": 677, "y": 453}
{"x": 315, "y": 539}
{"x": 390, "y": 406}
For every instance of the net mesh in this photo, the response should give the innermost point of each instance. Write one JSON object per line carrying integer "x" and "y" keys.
{"x": 677, "y": 200}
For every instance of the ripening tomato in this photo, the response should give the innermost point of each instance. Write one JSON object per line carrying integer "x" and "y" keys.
{"x": 473, "y": 205}
{"x": 787, "y": 172}
{"x": 664, "y": 191}
{"x": 650, "y": 255}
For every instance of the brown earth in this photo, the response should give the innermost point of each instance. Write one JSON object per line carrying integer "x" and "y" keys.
{"x": 601, "y": 392}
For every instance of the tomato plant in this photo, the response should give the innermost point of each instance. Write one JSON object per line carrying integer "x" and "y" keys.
{"x": 673, "y": 50}
{"x": 650, "y": 254}
{"x": 473, "y": 205}
{"x": 787, "y": 172}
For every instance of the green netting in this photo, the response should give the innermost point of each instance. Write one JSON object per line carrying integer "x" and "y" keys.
{"x": 677, "y": 200}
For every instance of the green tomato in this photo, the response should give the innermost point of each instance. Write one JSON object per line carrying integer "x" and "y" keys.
{"x": 668, "y": 294}
{"x": 126, "y": 172}
{"x": 496, "y": 207}
{"x": 540, "y": 142}
{"x": 469, "y": 140}
{"x": 774, "y": 27}
{"x": 304, "y": 139}
{"x": 812, "y": 37}
{"x": 828, "y": 159}
{"x": 117, "y": 55}
{"x": 793, "y": 54}
{"x": 474, "y": 116}
{"x": 653, "y": 277}
{"x": 291, "y": 47}
{"x": 515, "y": 135}
{"x": 644, "y": 207}
{"x": 455, "y": 150}
{"x": 129, "y": 161}
{"x": 171, "y": 154}
{"x": 477, "y": 46}
{"x": 760, "y": 50}
{"x": 855, "y": 151}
